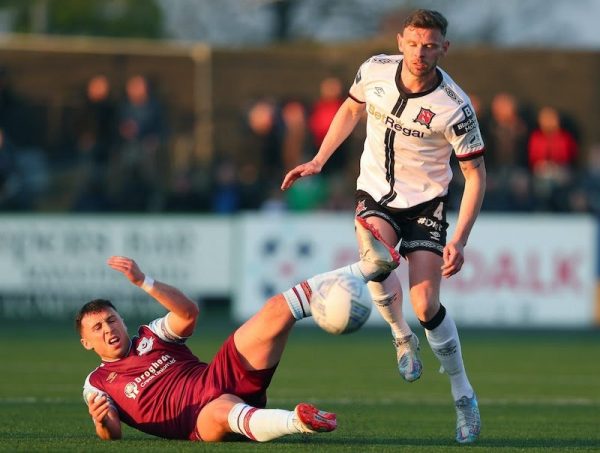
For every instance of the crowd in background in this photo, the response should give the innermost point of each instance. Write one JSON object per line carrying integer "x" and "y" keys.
{"x": 534, "y": 160}
{"x": 108, "y": 147}
{"x": 116, "y": 151}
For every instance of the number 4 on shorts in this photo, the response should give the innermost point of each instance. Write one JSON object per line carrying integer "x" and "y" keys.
{"x": 439, "y": 211}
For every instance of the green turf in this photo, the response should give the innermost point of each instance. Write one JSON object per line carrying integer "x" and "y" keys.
{"x": 538, "y": 392}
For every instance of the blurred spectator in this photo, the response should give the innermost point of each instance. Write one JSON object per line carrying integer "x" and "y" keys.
{"x": 552, "y": 152}
{"x": 322, "y": 113}
{"x": 325, "y": 108}
{"x": 279, "y": 139}
{"x": 142, "y": 133}
{"x": 141, "y": 115}
{"x": 293, "y": 115}
{"x": 94, "y": 139}
{"x": 262, "y": 156}
{"x": 550, "y": 145}
{"x": 96, "y": 122}
{"x": 505, "y": 135}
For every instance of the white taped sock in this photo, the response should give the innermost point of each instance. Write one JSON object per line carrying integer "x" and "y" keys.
{"x": 387, "y": 297}
{"x": 355, "y": 269}
{"x": 261, "y": 425}
{"x": 298, "y": 297}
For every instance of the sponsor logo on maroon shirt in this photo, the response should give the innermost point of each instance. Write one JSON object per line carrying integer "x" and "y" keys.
{"x": 111, "y": 377}
{"x": 131, "y": 390}
{"x": 155, "y": 369}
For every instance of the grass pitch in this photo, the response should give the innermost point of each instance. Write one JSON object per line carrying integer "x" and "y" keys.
{"x": 538, "y": 391}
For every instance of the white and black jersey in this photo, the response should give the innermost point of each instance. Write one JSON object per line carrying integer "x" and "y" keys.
{"x": 410, "y": 136}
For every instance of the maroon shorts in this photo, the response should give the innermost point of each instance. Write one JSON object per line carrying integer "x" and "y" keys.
{"x": 226, "y": 374}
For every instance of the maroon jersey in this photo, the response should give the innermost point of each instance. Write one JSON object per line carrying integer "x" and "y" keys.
{"x": 155, "y": 387}
{"x": 160, "y": 386}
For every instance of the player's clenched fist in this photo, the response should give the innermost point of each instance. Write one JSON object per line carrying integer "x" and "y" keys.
{"x": 98, "y": 406}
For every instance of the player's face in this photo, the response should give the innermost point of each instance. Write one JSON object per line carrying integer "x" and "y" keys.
{"x": 105, "y": 333}
{"x": 422, "y": 49}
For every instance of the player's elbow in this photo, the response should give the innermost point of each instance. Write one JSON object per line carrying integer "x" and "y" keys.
{"x": 185, "y": 308}
{"x": 111, "y": 437}
{"x": 187, "y": 319}
{"x": 478, "y": 175}
{"x": 110, "y": 429}
{"x": 115, "y": 434}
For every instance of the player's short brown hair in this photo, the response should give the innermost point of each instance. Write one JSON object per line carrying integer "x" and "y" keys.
{"x": 426, "y": 18}
{"x": 93, "y": 306}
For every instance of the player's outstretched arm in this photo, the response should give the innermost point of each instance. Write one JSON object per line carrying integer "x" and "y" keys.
{"x": 470, "y": 205}
{"x": 343, "y": 123}
{"x": 105, "y": 417}
{"x": 183, "y": 312}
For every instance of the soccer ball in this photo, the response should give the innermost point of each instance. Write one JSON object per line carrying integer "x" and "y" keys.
{"x": 341, "y": 304}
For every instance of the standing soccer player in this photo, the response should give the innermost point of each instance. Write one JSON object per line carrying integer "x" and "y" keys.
{"x": 417, "y": 116}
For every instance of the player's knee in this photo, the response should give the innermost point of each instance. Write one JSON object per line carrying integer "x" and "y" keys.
{"x": 425, "y": 310}
{"x": 425, "y": 303}
{"x": 213, "y": 423}
{"x": 276, "y": 307}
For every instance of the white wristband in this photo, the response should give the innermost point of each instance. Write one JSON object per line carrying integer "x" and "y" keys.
{"x": 148, "y": 283}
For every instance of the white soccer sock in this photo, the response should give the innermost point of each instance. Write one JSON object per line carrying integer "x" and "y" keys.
{"x": 261, "y": 425}
{"x": 387, "y": 297}
{"x": 357, "y": 269}
{"x": 298, "y": 297}
{"x": 445, "y": 345}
